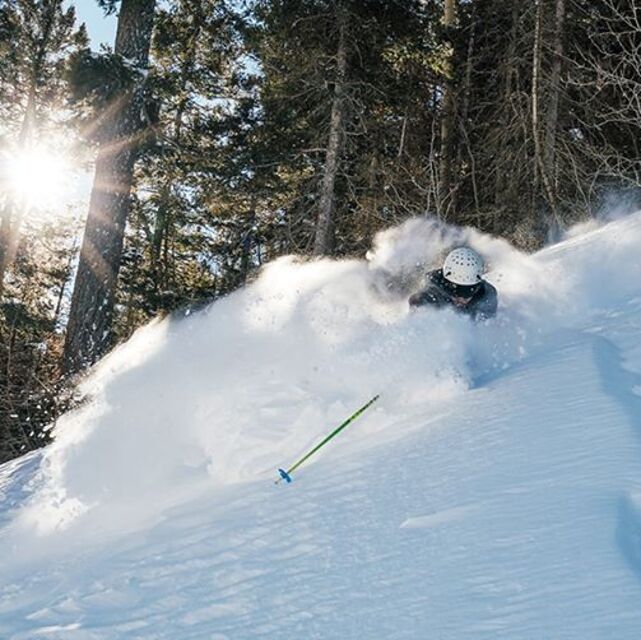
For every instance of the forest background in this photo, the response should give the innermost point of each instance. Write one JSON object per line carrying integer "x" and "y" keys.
{"x": 217, "y": 135}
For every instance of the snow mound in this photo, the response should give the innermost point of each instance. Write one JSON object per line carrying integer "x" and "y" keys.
{"x": 230, "y": 393}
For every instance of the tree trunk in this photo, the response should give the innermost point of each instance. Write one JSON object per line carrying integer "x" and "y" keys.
{"x": 163, "y": 219}
{"x": 14, "y": 212}
{"x": 465, "y": 108}
{"x": 68, "y": 273}
{"x": 5, "y": 240}
{"x": 552, "y": 119}
{"x": 503, "y": 154}
{"x": 447, "y": 121}
{"x": 323, "y": 238}
{"x": 89, "y": 328}
{"x": 540, "y": 167}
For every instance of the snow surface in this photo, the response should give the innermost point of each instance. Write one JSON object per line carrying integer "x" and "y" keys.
{"x": 494, "y": 491}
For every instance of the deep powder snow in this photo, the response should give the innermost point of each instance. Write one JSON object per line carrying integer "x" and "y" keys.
{"x": 491, "y": 493}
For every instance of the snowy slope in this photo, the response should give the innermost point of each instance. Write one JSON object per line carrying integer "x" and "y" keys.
{"x": 494, "y": 492}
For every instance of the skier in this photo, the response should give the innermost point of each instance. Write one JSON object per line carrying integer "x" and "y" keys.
{"x": 459, "y": 284}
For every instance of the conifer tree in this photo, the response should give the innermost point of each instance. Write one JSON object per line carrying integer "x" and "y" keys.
{"x": 37, "y": 37}
{"x": 338, "y": 77}
{"x": 177, "y": 245}
{"x": 90, "y": 318}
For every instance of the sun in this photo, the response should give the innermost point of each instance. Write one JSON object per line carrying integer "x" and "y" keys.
{"x": 37, "y": 177}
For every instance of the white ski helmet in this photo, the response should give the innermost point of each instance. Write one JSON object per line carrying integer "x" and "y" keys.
{"x": 463, "y": 266}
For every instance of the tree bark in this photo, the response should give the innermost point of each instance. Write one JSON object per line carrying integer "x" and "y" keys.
{"x": 552, "y": 119}
{"x": 465, "y": 108}
{"x": 13, "y": 212}
{"x": 503, "y": 153}
{"x": 5, "y": 240}
{"x": 540, "y": 167}
{"x": 90, "y": 319}
{"x": 324, "y": 224}
{"x": 447, "y": 121}
{"x": 163, "y": 220}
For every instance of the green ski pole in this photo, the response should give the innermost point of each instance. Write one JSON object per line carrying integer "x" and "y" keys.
{"x": 286, "y": 474}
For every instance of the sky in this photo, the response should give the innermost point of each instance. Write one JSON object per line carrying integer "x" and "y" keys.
{"x": 101, "y": 28}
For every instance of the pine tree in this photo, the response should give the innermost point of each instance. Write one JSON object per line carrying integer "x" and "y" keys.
{"x": 37, "y": 37}
{"x": 90, "y": 319}
{"x": 337, "y": 78}
{"x": 180, "y": 245}
{"x": 32, "y": 394}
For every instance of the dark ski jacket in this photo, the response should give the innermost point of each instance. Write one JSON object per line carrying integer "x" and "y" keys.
{"x": 438, "y": 293}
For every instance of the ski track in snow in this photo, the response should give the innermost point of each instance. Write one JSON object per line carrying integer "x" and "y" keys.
{"x": 622, "y": 383}
{"x": 514, "y": 513}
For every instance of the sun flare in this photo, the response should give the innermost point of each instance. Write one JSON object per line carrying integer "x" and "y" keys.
{"x": 37, "y": 177}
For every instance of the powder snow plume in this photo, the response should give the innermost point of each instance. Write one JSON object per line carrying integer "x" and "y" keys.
{"x": 232, "y": 392}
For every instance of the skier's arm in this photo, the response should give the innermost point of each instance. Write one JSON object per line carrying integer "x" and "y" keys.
{"x": 419, "y": 299}
{"x": 430, "y": 296}
{"x": 487, "y": 306}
